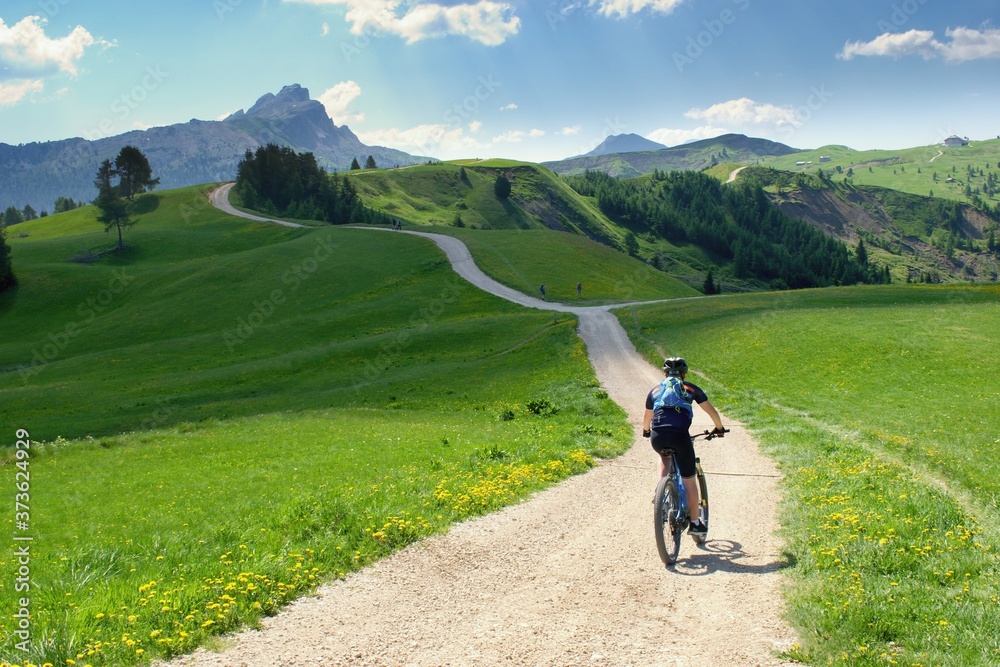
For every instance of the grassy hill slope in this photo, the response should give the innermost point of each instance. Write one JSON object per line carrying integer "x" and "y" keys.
{"x": 890, "y": 511}
{"x": 247, "y": 410}
{"x": 918, "y": 170}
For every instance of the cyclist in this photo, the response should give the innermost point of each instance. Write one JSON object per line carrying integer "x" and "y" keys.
{"x": 667, "y": 428}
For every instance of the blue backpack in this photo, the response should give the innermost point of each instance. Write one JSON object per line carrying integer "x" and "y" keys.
{"x": 674, "y": 396}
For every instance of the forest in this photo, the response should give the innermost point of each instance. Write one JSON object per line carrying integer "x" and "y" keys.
{"x": 736, "y": 223}
{"x": 278, "y": 181}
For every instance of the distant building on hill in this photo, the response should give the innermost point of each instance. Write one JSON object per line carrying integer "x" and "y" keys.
{"x": 824, "y": 158}
{"x": 956, "y": 141}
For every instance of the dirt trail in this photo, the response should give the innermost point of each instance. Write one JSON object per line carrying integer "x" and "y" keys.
{"x": 568, "y": 577}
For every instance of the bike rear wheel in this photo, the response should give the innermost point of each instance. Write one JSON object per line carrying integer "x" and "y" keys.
{"x": 667, "y": 522}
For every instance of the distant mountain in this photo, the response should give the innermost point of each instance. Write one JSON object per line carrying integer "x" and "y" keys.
{"x": 187, "y": 154}
{"x": 624, "y": 143}
{"x": 695, "y": 156}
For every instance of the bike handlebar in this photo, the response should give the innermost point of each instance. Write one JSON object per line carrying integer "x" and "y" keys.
{"x": 708, "y": 435}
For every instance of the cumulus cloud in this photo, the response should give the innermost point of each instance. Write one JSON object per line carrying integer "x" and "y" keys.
{"x": 962, "y": 44}
{"x": 433, "y": 140}
{"x": 746, "y": 112}
{"x": 490, "y": 23}
{"x": 672, "y": 137}
{"x": 625, "y": 8}
{"x": 510, "y": 137}
{"x": 570, "y": 131}
{"x": 474, "y": 126}
{"x": 26, "y": 52}
{"x": 537, "y": 133}
{"x": 508, "y": 107}
{"x": 337, "y": 99}
{"x": 12, "y": 93}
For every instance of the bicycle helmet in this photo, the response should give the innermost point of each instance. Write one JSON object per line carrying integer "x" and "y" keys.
{"x": 675, "y": 366}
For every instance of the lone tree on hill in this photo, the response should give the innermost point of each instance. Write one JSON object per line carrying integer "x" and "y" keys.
{"x": 370, "y": 163}
{"x": 114, "y": 209}
{"x": 354, "y": 165}
{"x": 710, "y": 287}
{"x": 135, "y": 174}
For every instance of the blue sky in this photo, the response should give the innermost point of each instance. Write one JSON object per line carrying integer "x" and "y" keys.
{"x": 529, "y": 80}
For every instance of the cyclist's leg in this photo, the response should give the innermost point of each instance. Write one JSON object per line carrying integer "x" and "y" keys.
{"x": 689, "y": 473}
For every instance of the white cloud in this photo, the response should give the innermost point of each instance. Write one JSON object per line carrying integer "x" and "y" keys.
{"x": 510, "y": 137}
{"x": 570, "y": 131}
{"x": 474, "y": 126}
{"x": 624, "y": 8}
{"x": 27, "y": 53}
{"x": 509, "y": 107}
{"x": 337, "y": 99}
{"x": 12, "y": 93}
{"x": 490, "y": 23}
{"x": 671, "y": 137}
{"x": 430, "y": 140}
{"x": 745, "y": 111}
{"x": 537, "y": 133}
{"x": 965, "y": 44}
{"x": 325, "y": 30}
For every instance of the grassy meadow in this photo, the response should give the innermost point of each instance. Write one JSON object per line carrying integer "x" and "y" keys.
{"x": 879, "y": 405}
{"x": 229, "y": 413}
{"x": 919, "y": 170}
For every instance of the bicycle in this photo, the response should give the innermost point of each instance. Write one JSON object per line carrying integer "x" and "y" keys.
{"x": 671, "y": 516}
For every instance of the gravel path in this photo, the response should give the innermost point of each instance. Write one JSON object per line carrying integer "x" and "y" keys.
{"x": 569, "y": 577}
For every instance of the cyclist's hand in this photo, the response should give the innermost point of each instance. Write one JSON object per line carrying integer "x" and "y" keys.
{"x": 645, "y": 433}
{"x": 719, "y": 432}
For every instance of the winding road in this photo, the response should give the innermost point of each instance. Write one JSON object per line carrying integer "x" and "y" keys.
{"x": 570, "y": 576}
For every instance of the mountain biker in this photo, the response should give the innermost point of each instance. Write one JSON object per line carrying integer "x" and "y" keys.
{"x": 667, "y": 429}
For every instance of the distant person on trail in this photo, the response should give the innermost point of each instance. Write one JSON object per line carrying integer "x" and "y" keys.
{"x": 666, "y": 423}
{"x": 579, "y": 289}
{"x": 542, "y": 290}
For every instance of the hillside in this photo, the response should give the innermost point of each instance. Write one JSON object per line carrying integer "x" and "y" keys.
{"x": 918, "y": 237}
{"x": 694, "y": 156}
{"x": 958, "y": 173}
{"x": 624, "y": 143}
{"x": 443, "y": 193}
{"x": 186, "y": 154}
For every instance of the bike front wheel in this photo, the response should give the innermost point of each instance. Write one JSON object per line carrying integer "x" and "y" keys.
{"x": 703, "y": 510}
{"x": 667, "y": 520}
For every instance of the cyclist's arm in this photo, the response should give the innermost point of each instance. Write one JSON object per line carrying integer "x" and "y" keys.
{"x": 712, "y": 412}
{"x": 647, "y": 420}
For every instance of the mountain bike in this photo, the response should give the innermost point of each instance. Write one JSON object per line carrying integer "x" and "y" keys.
{"x": 671, "y": 516}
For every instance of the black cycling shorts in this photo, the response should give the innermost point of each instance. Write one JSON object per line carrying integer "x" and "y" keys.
{"x": 679, "y": 441}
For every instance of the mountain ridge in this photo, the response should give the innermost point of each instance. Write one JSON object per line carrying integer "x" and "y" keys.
{"x": 191, "y": 153}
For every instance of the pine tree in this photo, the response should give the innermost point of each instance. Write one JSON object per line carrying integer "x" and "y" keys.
{"x": 370, "y": 163}
{"x": 709, "y": 286}
{"x": 7, "y": 278}
{"x": 114, "y": 210}
{"x": 354, "y": 165}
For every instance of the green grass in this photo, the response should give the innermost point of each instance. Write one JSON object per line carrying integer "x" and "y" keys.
{"x": 880, "y": 406}
{"x": 526, "y": 259}
{"x": 247, "y": 410}
{"x": 908, "y": 170}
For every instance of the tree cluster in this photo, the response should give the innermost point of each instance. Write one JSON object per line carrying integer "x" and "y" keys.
{"x": 7, "y": 278}
{"x": 279, "y": 181}
{"x": 115, "y": 200}
{"x": 737, "y": 223}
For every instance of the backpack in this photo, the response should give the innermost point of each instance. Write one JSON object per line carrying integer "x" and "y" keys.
{"x": 674, "y": 396}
